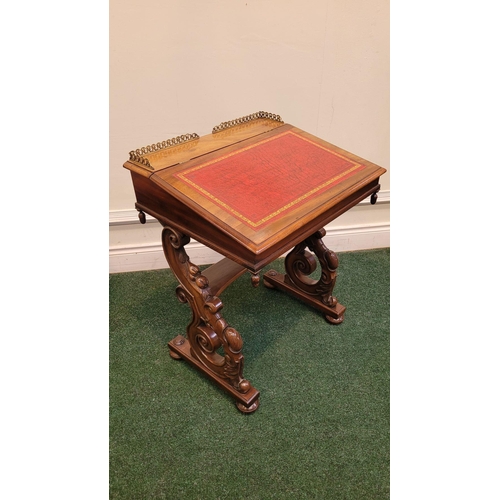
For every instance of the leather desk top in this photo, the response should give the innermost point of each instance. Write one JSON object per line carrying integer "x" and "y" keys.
{"x": 253, "y": 191}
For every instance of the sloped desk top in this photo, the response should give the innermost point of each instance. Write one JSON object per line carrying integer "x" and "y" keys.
{"x": 251, "y": 191}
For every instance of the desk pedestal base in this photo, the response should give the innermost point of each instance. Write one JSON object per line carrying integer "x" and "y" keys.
{"x": 299, "y": 265}
{"x": 335, "y": 314}
{"x": 246, "y": 403}
{"x": 210, "y": 345}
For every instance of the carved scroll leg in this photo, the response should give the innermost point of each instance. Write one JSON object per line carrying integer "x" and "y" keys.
{"x": 299, "y": 265}
{"x": 212, "y": 346}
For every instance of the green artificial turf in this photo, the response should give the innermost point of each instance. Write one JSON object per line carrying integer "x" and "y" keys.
{"x": 322, "y": 429}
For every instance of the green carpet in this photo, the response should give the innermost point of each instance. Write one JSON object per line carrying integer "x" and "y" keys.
{"x": 322, "y": 429}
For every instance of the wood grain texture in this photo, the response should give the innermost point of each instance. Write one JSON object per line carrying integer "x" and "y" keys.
{"x": 250, "y": 192}
{"x": 164, "y": 194}
{"x": 181, "y": 153}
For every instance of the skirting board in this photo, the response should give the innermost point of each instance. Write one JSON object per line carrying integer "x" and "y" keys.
{"x": 129, "y": 257}
{"x": 148, "y": 257}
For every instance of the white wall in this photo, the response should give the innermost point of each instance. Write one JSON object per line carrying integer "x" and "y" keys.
{"x": 184, "y": 66}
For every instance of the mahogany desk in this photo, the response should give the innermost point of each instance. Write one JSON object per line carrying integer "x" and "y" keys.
{"x": 252, "y": 190}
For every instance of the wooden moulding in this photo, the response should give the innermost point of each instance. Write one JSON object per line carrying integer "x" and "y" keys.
{"x": 221, "y": 238}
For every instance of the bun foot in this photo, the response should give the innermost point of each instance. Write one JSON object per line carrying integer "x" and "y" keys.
{"x": 267, "y": 284}
{"x": 174, "y": 355}
{"x": 334, "y": 321}
{"x": 248, "y": 409}
{"x": 178, "y": 341}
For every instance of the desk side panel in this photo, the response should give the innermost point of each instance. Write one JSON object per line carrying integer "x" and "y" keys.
{"x": 169, "y": 211}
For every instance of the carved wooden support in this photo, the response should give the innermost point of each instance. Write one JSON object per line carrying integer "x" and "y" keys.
{"x": 299, "y": 264}
{"x": 211, "y": 344}
{"x": 255, "y": 278}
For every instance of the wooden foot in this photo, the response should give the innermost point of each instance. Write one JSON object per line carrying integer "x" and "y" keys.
{"x": 211, "y": 345}
{"x": 248, "y": 409}
{"x": 178, "y": 342}
{"x": 247, "y": 401}
{"x": 335, "y": 320}
{"x": 174, "y": 355}
{"x": 267, "y": 281}
{"x": 299, "y": 265}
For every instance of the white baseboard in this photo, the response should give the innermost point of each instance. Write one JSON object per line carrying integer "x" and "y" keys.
{"x": 147, "y": 257}
{"x": 142, "y": 253}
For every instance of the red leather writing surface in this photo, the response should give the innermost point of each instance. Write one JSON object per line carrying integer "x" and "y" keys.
{"x": 264, "y": 181}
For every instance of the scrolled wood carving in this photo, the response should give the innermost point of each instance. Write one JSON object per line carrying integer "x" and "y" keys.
{"x": 208, "y": 330}
{"x": 300, "y": 264}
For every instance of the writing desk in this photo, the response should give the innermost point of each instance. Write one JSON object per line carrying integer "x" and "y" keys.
{"x": 252, "y": 190}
